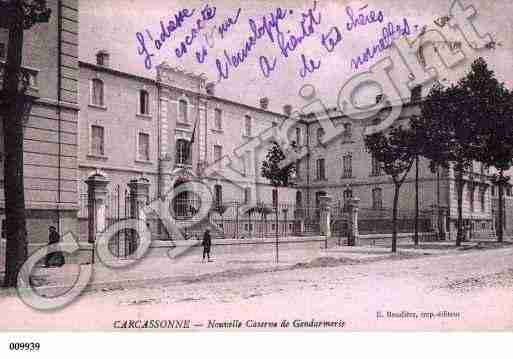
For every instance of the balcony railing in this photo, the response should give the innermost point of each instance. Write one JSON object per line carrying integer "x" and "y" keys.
{"x": 28, "y": 81}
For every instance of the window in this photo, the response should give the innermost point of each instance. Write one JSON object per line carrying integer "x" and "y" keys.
{"x": 218, "y": 153}
{"x": 348, "y": 194}
{"x": 493, "y": 191}
{"x": 182, "y": 108}
{"x": 347, "y": 131}
{"x": 247, "y": 163}
{"x": 471, "y": 196}
{"x": 321, "y": 171}
{"x": 299, "y": 199}
{"x": 218, "y": 119}
{"x": 247, "y": 195}
{"x": 97, "y": 141}
{"x": 347, "y": 164}
{"x": 298, "y": 136}
{"x": 275, "y": 197}
{"x": 97, "y": 92}
{"x": 375, "y": 166}
{"x": 183, "y": 155}
{"x": 247, "y": 125}
{"x": 320, "y": 135}
{"x": 2, "y": 51}
{"x": 144, "y": 102}
{"x": 297, "y": 169}
{"x": 144, "y": 147}
{"x": 377, "y": 200}
{"x": 318, "y": 196}
{"x": 482, "y": 199}
{"x": 218, "y": 195}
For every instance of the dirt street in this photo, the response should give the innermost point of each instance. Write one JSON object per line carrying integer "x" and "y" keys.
{"x": 468, "y": 290}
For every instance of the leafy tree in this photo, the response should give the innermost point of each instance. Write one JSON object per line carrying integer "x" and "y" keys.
{"x": 393, "y": 149}
{"x": 416, "y": 149}
{"x": 277, "y": 175}
{"x": 469, "y": 121}
{"x": 492, "y": 106}
{"x": 451, "y": 135}
{"x": 17, "y": 16}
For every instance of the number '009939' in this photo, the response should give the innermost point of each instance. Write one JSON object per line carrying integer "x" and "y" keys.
{"x": 27, "y": 346}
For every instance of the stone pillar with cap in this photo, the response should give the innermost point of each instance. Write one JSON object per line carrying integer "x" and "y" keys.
{"x": 96, "y": 203}
{"x": 352, "y": 237}
{"x": 325, "y": 216}
{"x": 139, "y": 195}
{"x": 443, "y": 224}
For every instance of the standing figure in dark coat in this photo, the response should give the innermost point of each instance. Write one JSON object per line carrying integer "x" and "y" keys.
{"x": 55, "y": 259}
{"x": 207, "y": 242}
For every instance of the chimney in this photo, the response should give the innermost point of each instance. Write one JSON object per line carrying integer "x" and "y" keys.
{"x": 287, "y": 110}
{"x": 102, "y": 58}
{"x": 264, "y": 103}
{"x": 210, "y": 88}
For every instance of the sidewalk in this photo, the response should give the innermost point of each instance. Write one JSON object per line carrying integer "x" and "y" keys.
{"x": 233, "y": 261}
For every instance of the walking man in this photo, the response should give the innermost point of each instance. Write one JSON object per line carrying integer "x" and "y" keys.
{"x": 55, "y": 259}
{"x": 207, "y": 242}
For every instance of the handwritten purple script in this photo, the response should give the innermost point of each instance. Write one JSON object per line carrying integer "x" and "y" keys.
{"x": 269, "y": 28}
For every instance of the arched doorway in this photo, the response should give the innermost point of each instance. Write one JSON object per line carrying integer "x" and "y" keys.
{"x": 185, "y": 203}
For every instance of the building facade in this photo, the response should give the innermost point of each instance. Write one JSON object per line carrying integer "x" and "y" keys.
{"x": 50, "y": 57}
{"x": 172, "y": 129}
{"x": 169, "y": 130}
{"x": 344, "y": 169}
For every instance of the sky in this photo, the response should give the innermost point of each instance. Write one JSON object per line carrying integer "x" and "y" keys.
{"x": 119, "y": 25}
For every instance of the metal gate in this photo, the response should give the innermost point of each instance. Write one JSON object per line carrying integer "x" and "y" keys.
{"x": 339, "y": 221}
{"x": 118, "y": 208}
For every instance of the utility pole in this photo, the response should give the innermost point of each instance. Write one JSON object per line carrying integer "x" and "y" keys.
{"x": 416, "y": 237}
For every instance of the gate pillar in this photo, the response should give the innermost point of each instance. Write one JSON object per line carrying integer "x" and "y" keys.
{"x": 352, "y": 238}
{"x": 96, "y": 203}
{"x": 139, "y": 195}
{"x": 325, "y": 216}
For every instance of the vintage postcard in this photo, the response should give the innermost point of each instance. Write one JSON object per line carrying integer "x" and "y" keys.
{"x": 295, "y": 165}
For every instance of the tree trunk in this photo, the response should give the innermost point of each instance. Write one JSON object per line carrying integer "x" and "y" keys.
{"x": 394, "y": 218}
{"x": 459, "y": 181}
{"x": 500, "y": 224}
{"x": 277, "y": 225}
{"x": 16, "y": 245}
{"x": 416, "y": 236}
{"x": 439, "y": 211}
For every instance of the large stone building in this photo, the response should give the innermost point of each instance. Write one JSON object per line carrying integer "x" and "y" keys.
{"x": 90, "y": 119}
{"x": 343, "y": 169}
{"x": 170, "y": 129}
{"x": 50, "y": 56}
{"x": 167, "y": 131}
